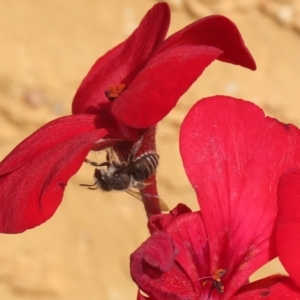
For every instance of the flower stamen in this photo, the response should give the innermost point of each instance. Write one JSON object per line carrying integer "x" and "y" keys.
{"x": 215, "y": 278}
{"x": 114, "y": 91}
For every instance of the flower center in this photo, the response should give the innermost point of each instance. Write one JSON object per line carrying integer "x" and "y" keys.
{"x": 114, "y": 91}
{"x": 215, "y": 279}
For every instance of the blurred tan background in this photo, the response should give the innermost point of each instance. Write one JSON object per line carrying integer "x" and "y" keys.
{"x": 47, "y": 47}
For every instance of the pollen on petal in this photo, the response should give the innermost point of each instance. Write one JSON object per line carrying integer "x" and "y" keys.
{"x": 215, "y": 279}
{"x": 114, "y": 91}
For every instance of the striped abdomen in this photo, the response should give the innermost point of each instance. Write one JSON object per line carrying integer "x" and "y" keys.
{"x": 142, "y": 168}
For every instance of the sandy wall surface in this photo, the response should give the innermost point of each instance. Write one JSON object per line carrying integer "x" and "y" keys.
{"x": 46, "y": 49}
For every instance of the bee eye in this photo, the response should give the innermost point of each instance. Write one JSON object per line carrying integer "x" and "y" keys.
{"x": 104, "y": 185}
{"x": 102, "y": 180}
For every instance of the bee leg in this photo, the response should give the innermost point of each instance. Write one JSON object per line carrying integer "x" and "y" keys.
{"x": 110, "y": 156}
{"x": 90, "y": 186}
{"x": 94, "y": 188}
{"x": 93, "y": 163}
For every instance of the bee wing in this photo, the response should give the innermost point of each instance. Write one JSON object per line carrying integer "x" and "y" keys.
{"x": 135, "y": 149}
{"x": 163, "y": 206}
{"x": 135, "y": 194}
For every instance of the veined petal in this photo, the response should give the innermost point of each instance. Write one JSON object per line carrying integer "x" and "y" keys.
{"x": 271, "y": 288}
{"x": 184, "y": 232}
{"x": 288, "y": 223}
{"x": 33, "y": 176}
{"x": 162, "y": 221}
{"x": 154, "y": 269}
{"x": 122, "y": 63}
{"x": 234, "y": 157}
{"x": 158, "y": 87}
{"x": 218, "y": 32}
{"x": 176, "y": 65}
{"x": 189, "y": 236}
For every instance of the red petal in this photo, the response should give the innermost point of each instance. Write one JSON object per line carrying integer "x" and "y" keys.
{"x": 180, "y": 250}
{"x": 270, "y": 288}
{"x": 33, "y": 176}
{"x": 159, "y": 86}
{"x": 288, "y": 223}
{"x": 234, "y": 157}
{"x": 178, "y": 63}
{"x": 219, "y": 32}
{"x": 121, "y": 64}
{"x": 162, "y": 221}
{"x": 154, "y": 269}
{"x": 189, "y": 236}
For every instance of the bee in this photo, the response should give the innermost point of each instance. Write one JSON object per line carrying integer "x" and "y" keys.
{"x": 126, "y": 175}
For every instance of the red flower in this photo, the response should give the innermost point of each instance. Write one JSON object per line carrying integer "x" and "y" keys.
{"x": 127, "y": 91}
{"x": 234, "y": 157}
{"x": 288, "y": 223}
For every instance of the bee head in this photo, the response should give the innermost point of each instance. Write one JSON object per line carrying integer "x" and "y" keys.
{"x": 102, "y": 180}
